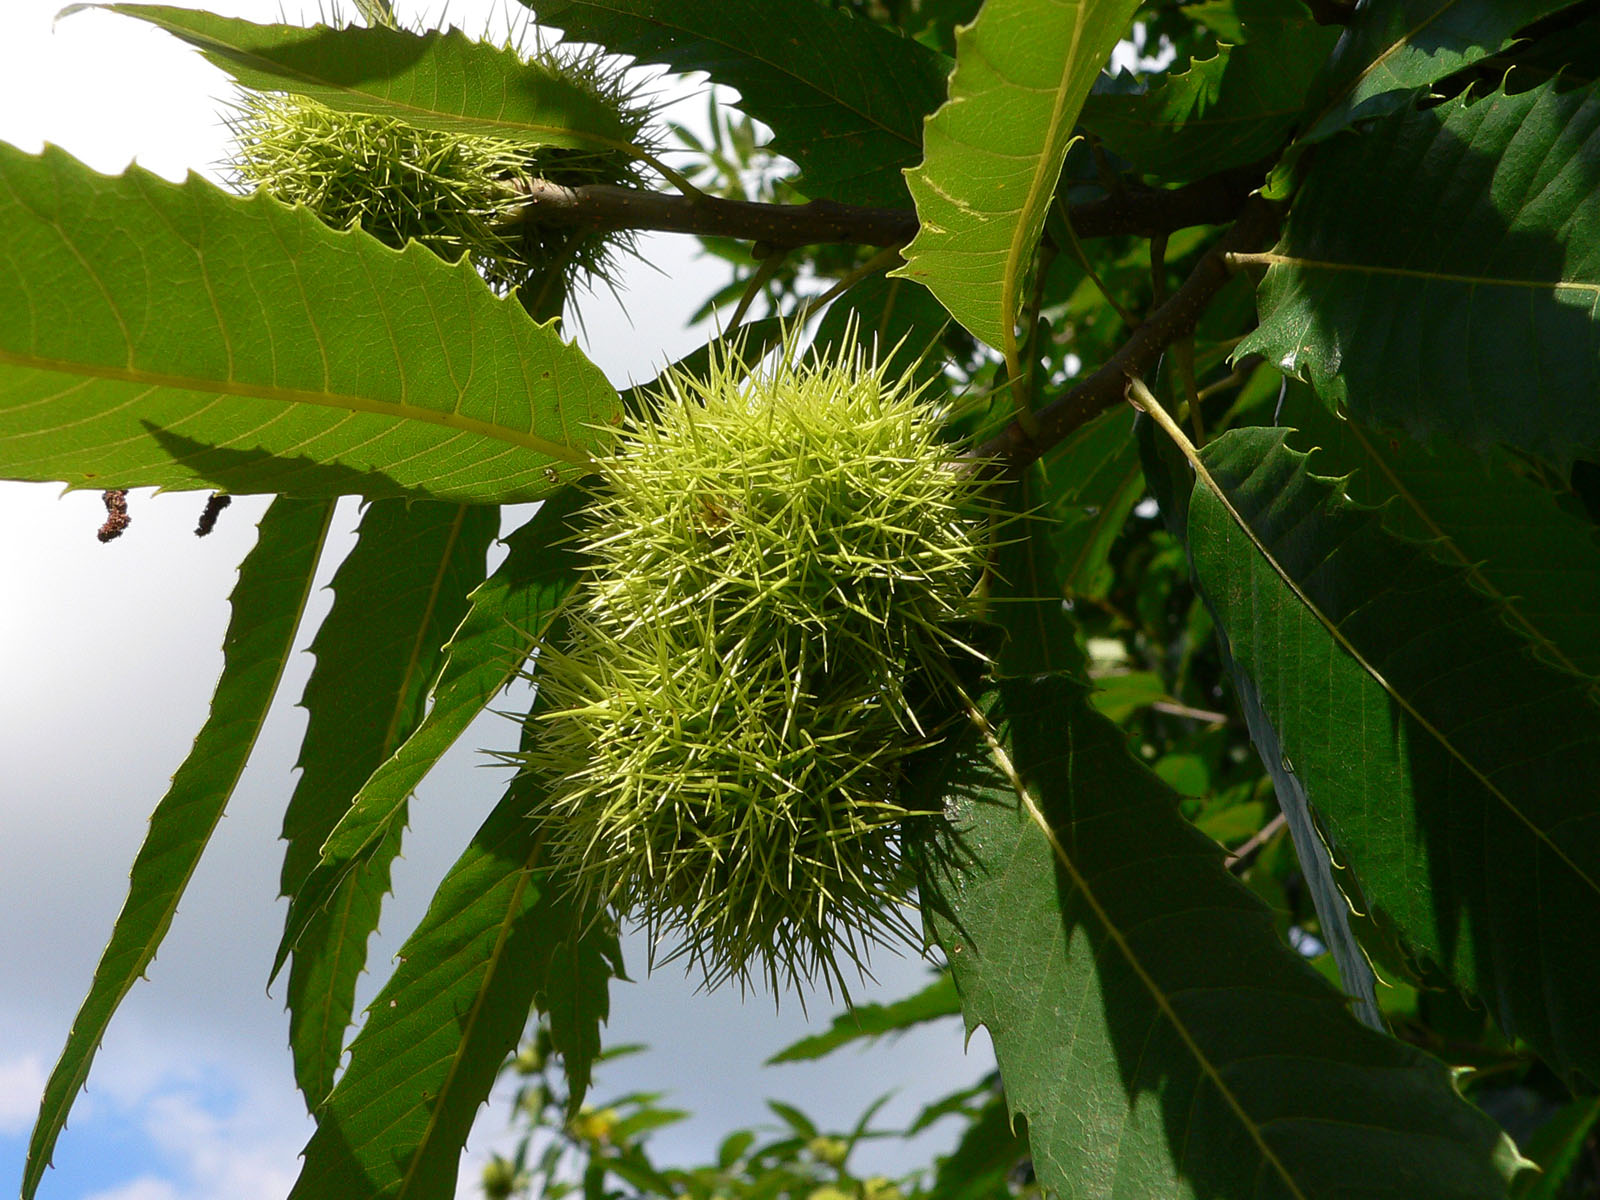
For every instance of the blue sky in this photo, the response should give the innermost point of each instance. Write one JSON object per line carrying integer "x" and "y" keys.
{"x": 108, "y": 655}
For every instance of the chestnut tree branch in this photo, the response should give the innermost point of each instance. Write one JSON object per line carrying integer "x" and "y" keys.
{"x": 599, "y": 206}
{"x": 1013, "y": 448}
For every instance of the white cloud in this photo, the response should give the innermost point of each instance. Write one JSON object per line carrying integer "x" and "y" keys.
{"x": 21, "y": 1084}
{"x": 206, "y": 1138}
{"x": 233, "y": 1157}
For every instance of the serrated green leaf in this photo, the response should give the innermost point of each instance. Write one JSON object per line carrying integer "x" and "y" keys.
{"x": 872, "y": 1021}
{"x": 434, "y": 80}
{"x": 1026, "y": 598}
{"x": 1387, "y": 674}
{"x": 397, "y": 596}
{"x": 1172, "y": 482}
{"x": 437, "y": 1033}
{"x": 1396, "y": 48}
{"x": 1157, "y": 1035}
{"x": 993, "y": 153}
{"x": 274, "y": 583}
{"x": 981, "y": 1165}
{"x": 1538, "y": 563}
{"x": 1093, "y": 481}
{"x": 506, "y": 617}
{"x": 1468, "y": 310}
{"x": 1333, "y": 908}
{"x": 843, "y": 96}
{"x": 1557, "y": 1146}
{"x": 173, "y": 335}
{"x": 1225, "y": 111}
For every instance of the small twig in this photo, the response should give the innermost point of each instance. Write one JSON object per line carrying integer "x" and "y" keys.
{"x": 606, "y": 207}
{"x": 1088, "y": 268}
{"x": 1240, "y": 373}
{"x": 1194, "y": 714}
{"x": 880, "y": 261}
{"x": 1242, "y": 857}
{"x": 117, "y": 518}
{"x": 1013, "y": 448}
{"x": 765, "y": 270}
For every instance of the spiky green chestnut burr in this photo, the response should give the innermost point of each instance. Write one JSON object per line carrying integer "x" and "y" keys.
{"x": 775, "y": 565}
{"x": 451, "y": 192}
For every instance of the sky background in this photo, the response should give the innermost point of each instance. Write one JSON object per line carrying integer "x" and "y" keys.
{"x": 108, "y": 655}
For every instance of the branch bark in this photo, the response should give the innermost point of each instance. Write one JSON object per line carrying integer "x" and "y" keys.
{"x": 1014, "y": 449}
{"x": 1141, "y": 211}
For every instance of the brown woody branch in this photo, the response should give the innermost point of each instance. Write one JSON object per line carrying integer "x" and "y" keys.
{"x": 1015, "y": 448}
{"x": 603, "y": 207}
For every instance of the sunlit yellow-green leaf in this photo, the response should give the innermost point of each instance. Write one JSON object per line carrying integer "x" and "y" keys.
{"x": 170, "y": 334}
{"x": 993, "y": 153}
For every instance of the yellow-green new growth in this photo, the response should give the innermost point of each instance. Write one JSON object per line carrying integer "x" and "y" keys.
{"x": 775, "y": 563}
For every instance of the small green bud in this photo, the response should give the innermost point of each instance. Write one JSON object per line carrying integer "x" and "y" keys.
{"x": 501, "y": 1178}
{"x": 594, "y": 1125}
{"x": 832, "y": 1151}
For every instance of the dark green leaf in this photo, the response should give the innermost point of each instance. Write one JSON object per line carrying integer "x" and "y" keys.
{"x": 445, "y": 81}
{"x": 844, "y": 97}
{"x": 507, "y": 616}
{"x": 500, "y": 933}
{"x": 1537, "y": 562}
{"x": 1026, "y": 598}
{"x": 397, "y": 596}
{"x": 1396, "y": 48}
{"x": 1093, "y": 482}
{"x": 872, "y": 1021}
{"x": 993, "y": 153}
{"x": 274, "y": 583}
{"x": 1557, "y": 1146}
{"x": 1452, "y": 766}
{"x": 1148, "y": 1022}
{"x": 1333, "y": 909}
{"x": 173, "y": 335}
{"x": 1224, "y": 111}
{"x": 1468, "y": 309}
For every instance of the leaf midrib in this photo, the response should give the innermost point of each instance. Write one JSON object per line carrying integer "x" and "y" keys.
{"x": 491, "y": 967}
{"x": 399, "y": 409}
{"x": 1392, "y": 49}
{"x": 1135, "y": 964}
{"x": 1275, "y": 259}
{"x": 1023, "y": 237}
{"x": 1181, "y": 440}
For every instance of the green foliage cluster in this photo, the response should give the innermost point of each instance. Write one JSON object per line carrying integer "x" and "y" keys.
{"x": 1262, "y": 839}
{"x": 604, "y": 1149}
